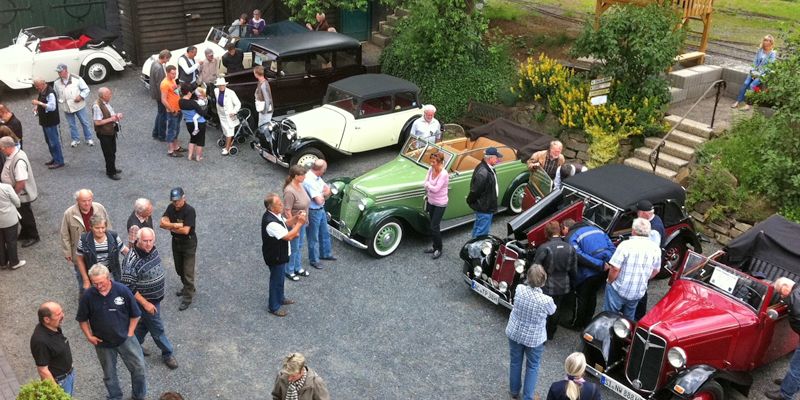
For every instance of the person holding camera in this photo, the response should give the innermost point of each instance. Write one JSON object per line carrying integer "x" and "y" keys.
{"x": 106, "y": 126}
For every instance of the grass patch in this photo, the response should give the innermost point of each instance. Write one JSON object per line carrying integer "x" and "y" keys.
{"x": 503, "y": 10}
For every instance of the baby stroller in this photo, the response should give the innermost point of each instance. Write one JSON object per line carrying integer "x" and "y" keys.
{"x": 242, "y": 133}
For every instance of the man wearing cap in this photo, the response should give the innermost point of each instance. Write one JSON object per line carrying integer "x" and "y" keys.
{"x": 483, "y": 192}
{"x": 644, "y": 209}
{"x": 106, "y": 122}
{"x": 50, "y": 348}
{"x": 17, "y": 173}
{"x": 170, "y": 99}
{"x": 157, "y": 74}
{"x": 47, "y": 111}
{"x": 72, "y": 93}
{"x": 180, "y": 219}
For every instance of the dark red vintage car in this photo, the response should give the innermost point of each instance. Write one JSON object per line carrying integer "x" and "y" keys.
{"x": 605, "y": 197}
{"x": 720, "y": 319}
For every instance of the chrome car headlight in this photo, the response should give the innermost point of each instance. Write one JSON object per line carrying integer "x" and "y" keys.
{"x": 291, "y": 134}
{"x": 476, "y": 272}
{"x": 363, "y": 203}
{"x": 676, "y": 357}
{"x": 622, "y": 328}
{"x": 502, "y": 287}
{"x": 486, "y": 247}
{"x": 519, "y": 266}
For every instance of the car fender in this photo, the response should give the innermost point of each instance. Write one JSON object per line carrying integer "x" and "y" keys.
{"x": 521, "y": 178}
{"x": 689, "y": 237}
{"x": 113, "y": 62}
{"x": 333, "y": 204}
{"x": 599, "y": 334}
{"x": 370, "y": 219}
{"x": 301, "y": 143}
{"x": 691, "y": 379}
{"x": 407, "y": 129}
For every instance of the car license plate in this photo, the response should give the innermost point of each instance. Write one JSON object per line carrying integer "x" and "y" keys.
{"x": 485, "y": 292}
{"x": 619, "y": 388}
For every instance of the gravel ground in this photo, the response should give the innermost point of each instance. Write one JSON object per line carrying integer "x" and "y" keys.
{"x": 400, "y": 327}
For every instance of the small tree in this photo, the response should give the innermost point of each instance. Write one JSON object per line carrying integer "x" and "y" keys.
{"x": 635, "y": 45}
{"x": 42, "y": 390}
{"x": 305, "y": 10}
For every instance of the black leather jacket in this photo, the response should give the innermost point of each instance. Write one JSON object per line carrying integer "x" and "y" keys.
{"x": 560, "y": 261}
{"x": 483, "y": 194}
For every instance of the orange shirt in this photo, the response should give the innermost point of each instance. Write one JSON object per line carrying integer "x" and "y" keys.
{"x": 168, "y": 89}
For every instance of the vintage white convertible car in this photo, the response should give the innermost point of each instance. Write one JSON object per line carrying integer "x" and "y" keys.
{"x": 359, "y": 113}
{"x": 37, "y": 51}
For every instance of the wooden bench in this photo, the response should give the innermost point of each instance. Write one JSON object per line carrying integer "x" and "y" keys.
{"x": 697, "y": 56}
{"x": 480, "y": 114}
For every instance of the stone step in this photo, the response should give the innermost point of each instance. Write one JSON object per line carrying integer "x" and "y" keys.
{"x": 671, "y": 148}
{"x": 380, "y": 40}
{"x": 677, "y": 95}
{"x": 686, "y": 139}
{"x": 664, "y": 159}
{"x": 690, "y": 126}
{"x": 386, "y": 29}
{"x": 394, "y": 19}
{"x": 645, "y": 166}
{"x": 401, "y": 12}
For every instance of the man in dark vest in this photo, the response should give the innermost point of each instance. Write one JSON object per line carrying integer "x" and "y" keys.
{"x": 187, "y": 67}
{"x": 275, "y": 237}
{"x": 47, "y": 111}
{"x": 17, "y": 173}
{"x": 106, "y": 125}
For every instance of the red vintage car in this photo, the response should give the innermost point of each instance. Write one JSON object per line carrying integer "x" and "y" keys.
{"x": 720, "y": 319}
{"x": 604, "y": 197}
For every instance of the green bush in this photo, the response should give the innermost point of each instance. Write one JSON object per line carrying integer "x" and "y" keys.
{"x": 439, "y": 47}
{"x": 42, "y": 390}
{"x": 503, "y": 10}
{"x": 713, "y": 190}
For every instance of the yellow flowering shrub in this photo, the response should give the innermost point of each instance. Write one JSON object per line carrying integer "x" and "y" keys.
{"x": 606, "y": 125}
{"x": 569, "y": 104}
{"x": 541, "y": 78}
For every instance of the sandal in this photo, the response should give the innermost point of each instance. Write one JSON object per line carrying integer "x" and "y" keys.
{"x": 303, "y": 272}
{"x": 292, "y": 277}
{"x": 174, "y": 155}
{"x": 180, "y": 150}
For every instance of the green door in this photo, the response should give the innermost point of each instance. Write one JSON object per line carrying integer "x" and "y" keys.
{"x": 63, "y": 15}
{"x": 356, "y": 23}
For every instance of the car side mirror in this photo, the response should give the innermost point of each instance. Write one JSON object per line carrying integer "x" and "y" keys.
{"x": 772, "y": 314}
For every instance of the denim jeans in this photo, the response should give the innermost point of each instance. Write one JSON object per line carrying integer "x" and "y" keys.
{"x": 68, "y": 383}
{"x": 749, "y": 84}
{"x": 154, "y": 325}
{"x": 131, "y": 353}
{"x": 53, "y": 143}
{"x": 791, "y": 382}
{"x": 83, "y": 117}
{"x": 276, "y": 278}
{"x": 295, "y": 260}
{"x": 173, "y": 126}
{"x": 160, "y": 125}
{"x": 319, "y": 239}
{"x": 616, "y": 303}
{"x": 483, "y": 223}
{"x": 79, "y": 278}
{"x": 533, "y": 357}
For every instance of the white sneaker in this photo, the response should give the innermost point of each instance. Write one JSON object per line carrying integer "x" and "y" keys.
{"x": 90, "y": 142}
{"x": 19, "y": 264}
{"x": 224, "y": 152}
{"x": 74, "y": 143}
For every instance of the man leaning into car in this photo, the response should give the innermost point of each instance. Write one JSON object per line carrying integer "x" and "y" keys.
{"x": 790, "y": 384}
{"x": 72, "y": 92}
{"x": 634, "y": 263}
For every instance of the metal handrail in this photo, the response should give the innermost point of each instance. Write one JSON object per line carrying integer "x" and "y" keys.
{"x": 656, "y": 153}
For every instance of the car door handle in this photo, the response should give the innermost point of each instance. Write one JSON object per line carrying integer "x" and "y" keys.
{"x": 357, "y": 127}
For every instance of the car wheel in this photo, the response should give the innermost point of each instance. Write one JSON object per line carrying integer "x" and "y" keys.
{"x": 711, "y": 390}
{"x": 386, "y": 238}
{"x": 673, "y": 254}
{"x": 307, "y": 156}
{"x": 97, "y": 71}
{"x": 515, "y": 200}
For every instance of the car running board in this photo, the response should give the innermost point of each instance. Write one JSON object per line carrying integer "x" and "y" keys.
{"x": 461, "y": 221}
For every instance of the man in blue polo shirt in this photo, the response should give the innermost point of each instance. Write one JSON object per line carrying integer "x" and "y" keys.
{"x": 108, "y": 315}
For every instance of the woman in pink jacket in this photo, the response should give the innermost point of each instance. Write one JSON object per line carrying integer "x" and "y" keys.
{"x": 436, "y": 187}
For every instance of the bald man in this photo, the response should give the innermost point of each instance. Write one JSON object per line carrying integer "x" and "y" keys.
{"x": 75, "y": 223}
{"x": 106, "y": 126}
{"x": 50, "y": 349}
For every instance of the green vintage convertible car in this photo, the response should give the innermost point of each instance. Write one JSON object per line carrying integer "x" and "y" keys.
{"x": 374, "y": 211}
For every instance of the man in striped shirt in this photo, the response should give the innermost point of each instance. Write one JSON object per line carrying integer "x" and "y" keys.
{"x": 143, "y": 274}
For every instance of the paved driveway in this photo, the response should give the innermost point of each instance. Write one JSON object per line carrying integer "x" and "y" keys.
{"x": 403, "y": 327}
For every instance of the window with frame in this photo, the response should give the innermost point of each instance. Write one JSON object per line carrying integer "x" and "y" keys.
{"x": 320, "y": 63}
{"x": 293, "y": 66}
{"x": 375, "y": 106}
{"x": 405, "y": 101}
{"x": 346, "y": 57}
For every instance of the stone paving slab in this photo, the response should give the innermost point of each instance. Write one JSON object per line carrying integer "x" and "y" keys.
{"x": 9, "y": 386}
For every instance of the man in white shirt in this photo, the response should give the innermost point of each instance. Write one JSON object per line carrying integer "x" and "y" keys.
{"x": 187, "y": 67}
{"x": 72, "y": 92}
{"x": 319, "y": 239}
{"x": 275, "y": 238}
{"x": 427, "y": 128}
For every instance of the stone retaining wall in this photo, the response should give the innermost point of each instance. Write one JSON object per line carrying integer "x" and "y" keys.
{"x": 721, "y": 231}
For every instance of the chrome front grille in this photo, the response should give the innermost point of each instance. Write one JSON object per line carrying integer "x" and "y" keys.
{"x": 645, "y": 360}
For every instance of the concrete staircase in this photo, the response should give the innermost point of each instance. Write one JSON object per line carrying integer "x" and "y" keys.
{"x": 690, "y": 83}
{"x": 678, "y": 150}
{"x": 386, "y": 29}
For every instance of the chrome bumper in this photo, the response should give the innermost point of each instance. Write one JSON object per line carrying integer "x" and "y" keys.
{"x": 347, "y": 239}
{"x": 269, "y": 156}
{"x": 500, "y": 300}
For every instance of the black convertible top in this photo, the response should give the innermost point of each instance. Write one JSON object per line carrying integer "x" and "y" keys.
{"x": 624, "y": 186}
{"x": 525, "y": 140}
{"x": 774, "y": 240}
{"x": 306, "y": 42}
{"x": 370, "y": 85}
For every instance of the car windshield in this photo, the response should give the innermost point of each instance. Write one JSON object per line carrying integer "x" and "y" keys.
{"x": 219, "y": 36}
{"x": 724, "y": 279}
{"x": 265, "y": 59}
{"x": 595, "y": 211}
{"x": 419, "y": 151}
{"x": 341, "y": 99}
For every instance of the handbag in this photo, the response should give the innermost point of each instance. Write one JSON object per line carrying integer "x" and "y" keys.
{"x": 260, "y": 105}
